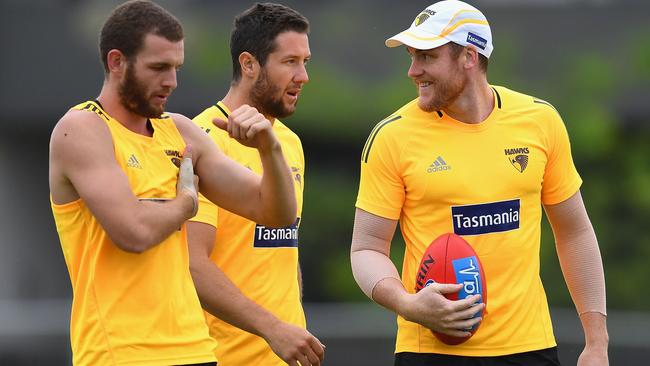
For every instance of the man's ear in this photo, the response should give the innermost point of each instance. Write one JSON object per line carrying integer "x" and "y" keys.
{"x": 250, "y": 67}
{"x": 116, "y": 61}
{"x": 470, "y": 57}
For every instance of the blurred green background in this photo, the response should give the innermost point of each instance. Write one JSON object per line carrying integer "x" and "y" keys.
{"x": 589, "y": 58}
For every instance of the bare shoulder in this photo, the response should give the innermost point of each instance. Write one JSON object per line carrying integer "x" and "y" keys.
{"x": 184, "y": 124}
{"x": 79, "y": 124}
{"x": 80, "y": 135}
{"x": 191, "y": 133}
{"x": 80, "y": 139}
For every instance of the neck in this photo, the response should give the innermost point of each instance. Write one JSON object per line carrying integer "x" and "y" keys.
{"x": 238, "y": 95}
{"x": 475, "y": 103}
{"x": 110, "y": 100}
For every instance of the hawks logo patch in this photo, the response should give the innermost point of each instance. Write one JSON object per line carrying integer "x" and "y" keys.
{"x": 296, "y": 174}
{"x": 518, "y": 157}
{"x": 174, "y": 156}
{"x": 424, "y": 15}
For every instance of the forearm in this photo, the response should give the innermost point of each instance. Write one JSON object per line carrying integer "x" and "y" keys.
{"x": 579, "y": 255}
{"x": 221, "y": 298}
{"x": 277, "y": 196}
{"x": 582, "y": 267}
{"x": 151, "y": 223}
{"x": 583, "y": 272}
{"x": 369, "y": 255}
{"x": 390, "y": 293}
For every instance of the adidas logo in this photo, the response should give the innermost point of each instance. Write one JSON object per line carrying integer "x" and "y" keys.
{"x": 133, "y": 162}
{"x": 438, "y": 165}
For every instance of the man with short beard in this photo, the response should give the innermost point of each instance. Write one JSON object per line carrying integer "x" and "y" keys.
{"x": 247, "y": 274}
{"x": 122, "y": 186}
{"x": 480, "y": 161}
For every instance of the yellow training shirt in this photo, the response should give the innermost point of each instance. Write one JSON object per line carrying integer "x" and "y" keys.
{"x": 262, "y": 262}
{"x": 486, "y": 182}
{"x": 133, "y": 309}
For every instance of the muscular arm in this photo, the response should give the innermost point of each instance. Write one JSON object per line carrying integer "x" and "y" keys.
{"x": 268, "y": 200}
{"x": 577, "y": 249}
{"x": 378, "y": 278}
{"x": 83, "y": 165}
{"x": 221, "y": 298}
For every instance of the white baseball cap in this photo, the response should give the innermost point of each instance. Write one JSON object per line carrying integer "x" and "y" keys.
{"x": 444, "y": 22}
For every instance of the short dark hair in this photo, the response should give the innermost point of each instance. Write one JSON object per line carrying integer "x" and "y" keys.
{"x": 456, "y": 49}
{"x": 129, "y": 23}
{"x": 255, "y": 30}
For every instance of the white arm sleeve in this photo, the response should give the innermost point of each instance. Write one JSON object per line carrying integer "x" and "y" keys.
{"x": 579, "y": 255}
{"x": 370, "y": 250}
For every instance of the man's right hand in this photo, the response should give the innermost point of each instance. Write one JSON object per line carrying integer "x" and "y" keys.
{"x": 430, "y": 308}
{"x": 249, "y": 127}
{"x": 292, "y": 344}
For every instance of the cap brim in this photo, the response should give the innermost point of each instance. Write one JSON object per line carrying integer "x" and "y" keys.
{"x": 418, "y": 40}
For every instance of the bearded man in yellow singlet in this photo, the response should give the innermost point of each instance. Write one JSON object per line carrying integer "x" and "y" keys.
{"x": 122, "y": 186}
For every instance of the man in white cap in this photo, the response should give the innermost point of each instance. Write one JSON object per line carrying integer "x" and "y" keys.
{"x": 479, "y": 161}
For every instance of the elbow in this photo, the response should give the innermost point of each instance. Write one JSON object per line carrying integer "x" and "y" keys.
{"x": 279, "y": 221}
{"x": 356, "y": 259}
{"x": 289, "y": 219}
{"x": 276, "y": 217}
{"x": 132, "y": 247}
{"x": 278, "y": 212}
{"x": 285, "y": 217}
{"x": 134, "y": 242}
{"x": 288, "y": 215}
{"x": 129, "y": 246}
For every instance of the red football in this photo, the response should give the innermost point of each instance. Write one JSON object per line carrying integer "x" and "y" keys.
{"x": 450, "y": 259}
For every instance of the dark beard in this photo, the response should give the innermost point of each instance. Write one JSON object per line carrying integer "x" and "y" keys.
{"x": 262, "y": 98}
{"x": 133, "y": 96}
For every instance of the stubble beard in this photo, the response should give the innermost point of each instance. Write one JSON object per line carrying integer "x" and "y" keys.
{"x": 132, "y": 94}
{"x": 445, "y": 94}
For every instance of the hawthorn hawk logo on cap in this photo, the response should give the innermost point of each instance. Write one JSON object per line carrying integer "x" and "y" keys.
{"x": 424, "y": 15}
{"x": 444, "y": 22}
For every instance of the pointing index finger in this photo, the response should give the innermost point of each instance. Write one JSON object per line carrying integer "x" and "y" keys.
{"x": 222, "y": 124}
